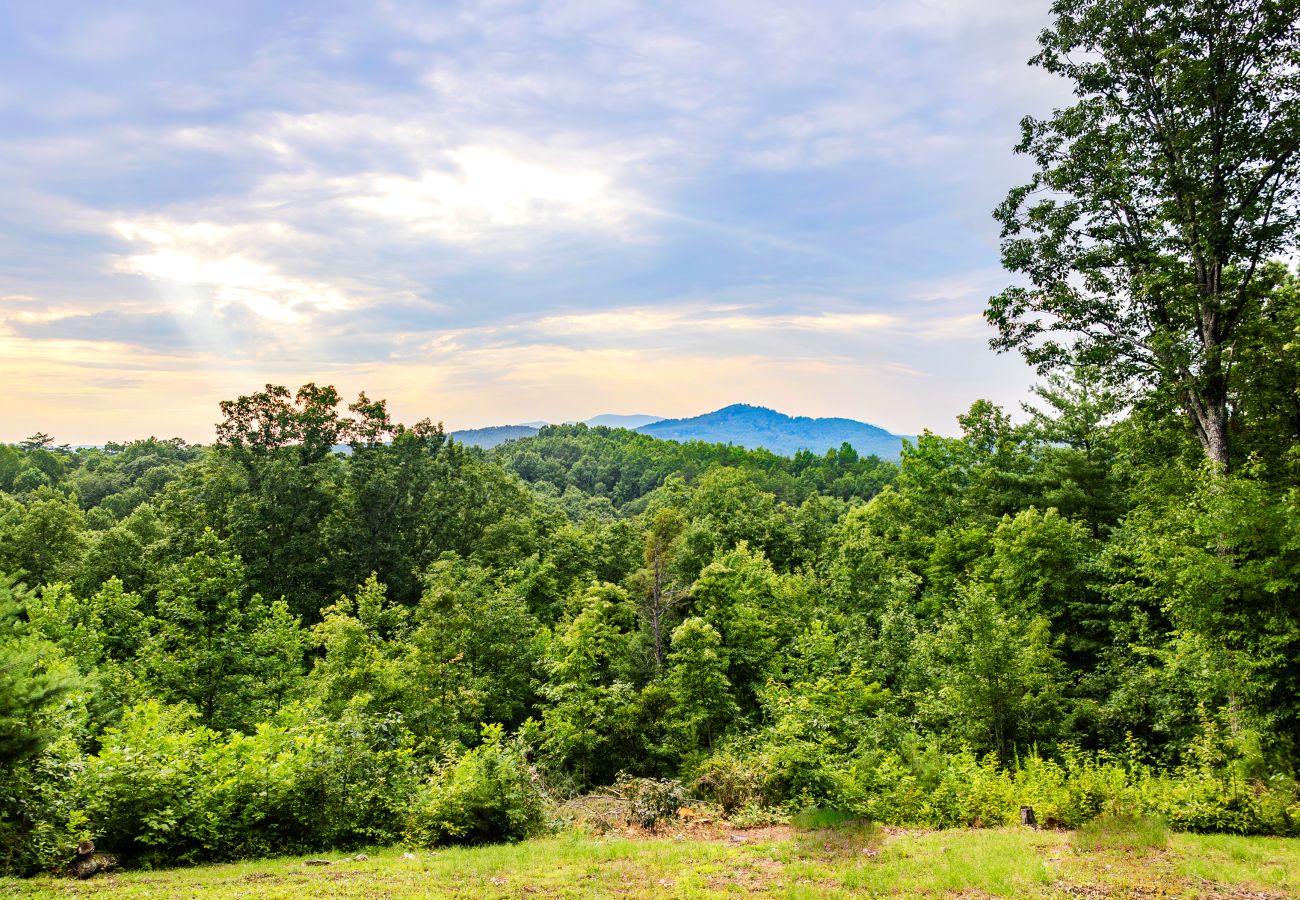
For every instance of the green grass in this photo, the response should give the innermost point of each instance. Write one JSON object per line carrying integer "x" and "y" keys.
{"x": 816, "y": 818}
{"x": 829, "y": 856}
{"x": 1130, "y": 834}
{"x": 1268, "y": 863}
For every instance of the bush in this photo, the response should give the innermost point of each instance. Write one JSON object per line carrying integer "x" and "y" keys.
{"x": 161, "y": 791}
{"x": 931, "y": 788}
{"x": 651, "y": 800}
{"x": 486, "y": 795}
{"x": 729, "y": 781}
{"x": 40, "y": 821}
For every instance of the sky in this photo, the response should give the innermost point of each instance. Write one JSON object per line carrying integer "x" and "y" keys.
{"x": 494, "y": 212}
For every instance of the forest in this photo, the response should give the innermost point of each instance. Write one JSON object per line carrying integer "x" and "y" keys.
{"x": 326, "y": 629}
{"x": 330, "y": 630}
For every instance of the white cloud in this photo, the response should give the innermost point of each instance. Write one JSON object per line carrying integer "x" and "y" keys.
{"x": 215, "y": 258}
{"x": 616, "y": 322}
{"x": 490, "y": 190}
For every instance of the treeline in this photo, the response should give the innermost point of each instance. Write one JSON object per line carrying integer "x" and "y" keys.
{"x": 267, "y": 645}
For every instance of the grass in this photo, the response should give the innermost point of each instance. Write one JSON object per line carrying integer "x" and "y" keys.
{"x": 1129, "y": 834}
{"x": 825, "y": 854}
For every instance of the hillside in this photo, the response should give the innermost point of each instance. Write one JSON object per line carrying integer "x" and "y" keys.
{"x": 490, "y": 437}
{"x": 757, "y": 426}
{"x": 614, "y": 420}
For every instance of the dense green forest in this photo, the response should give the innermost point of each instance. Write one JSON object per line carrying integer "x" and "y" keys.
{"x": 328, "y": 629}
{"x": 265, "y": 644}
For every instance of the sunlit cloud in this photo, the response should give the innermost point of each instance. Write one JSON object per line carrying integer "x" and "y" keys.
{"x": 650, "y": 319}
{"x": 208, "y": 256}
{"x": 489, "y": 190}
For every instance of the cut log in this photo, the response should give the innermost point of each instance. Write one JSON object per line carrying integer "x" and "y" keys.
{"x": 87, "y": 862}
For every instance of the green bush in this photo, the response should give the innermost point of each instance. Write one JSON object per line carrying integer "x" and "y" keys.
{"x": 932, "y": 788}
{"x": 486, "y": 795}
{"x": 727, "y": 780}
{"x": 162, "y": 791}
{"x": 41, "y": 822}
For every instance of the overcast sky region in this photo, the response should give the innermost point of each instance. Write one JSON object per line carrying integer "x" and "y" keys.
{"x": 492, "y": 212}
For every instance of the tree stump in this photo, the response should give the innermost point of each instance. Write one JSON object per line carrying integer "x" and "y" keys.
{"x": 87, "y": 862}
{"x": 1027, "y": 816}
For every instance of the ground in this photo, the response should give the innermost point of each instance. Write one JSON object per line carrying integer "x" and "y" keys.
{"x": 840, "y": 861}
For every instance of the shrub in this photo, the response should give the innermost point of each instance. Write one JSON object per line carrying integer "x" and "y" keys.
{"x": 652, "y": 800}
{"x": 486, "y": 795}
{"x": 162, "y": 791}
{"x": 729, "y": 781}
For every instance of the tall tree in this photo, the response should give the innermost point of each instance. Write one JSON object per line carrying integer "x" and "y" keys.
{"x": 1159, "y": 196}
{"x": 660, "y": 592}
{"x": 30, "y": 679}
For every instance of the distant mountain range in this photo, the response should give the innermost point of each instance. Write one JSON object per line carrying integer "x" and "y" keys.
{"x": 495, "y": 434}
{"x": 757, "y": 426}
{"x": 747, "y": 426}
{"x": 615, "y": 421}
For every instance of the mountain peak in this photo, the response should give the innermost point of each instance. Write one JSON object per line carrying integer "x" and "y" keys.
{"x": 759, "y": 426}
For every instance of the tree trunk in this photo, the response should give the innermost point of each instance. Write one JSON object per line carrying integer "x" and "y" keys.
{"x": 1208, "y": 410}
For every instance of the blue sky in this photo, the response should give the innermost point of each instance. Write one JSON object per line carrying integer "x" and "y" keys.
{"x": 506, "y": 211}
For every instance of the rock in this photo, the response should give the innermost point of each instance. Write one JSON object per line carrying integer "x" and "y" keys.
{"x": 408, "y": 856}
{"x": 360, "y": 857}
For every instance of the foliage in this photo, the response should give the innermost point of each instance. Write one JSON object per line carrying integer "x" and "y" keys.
{"x": 287, "y": 643}
{"x": 1148, "y": 225}
{"x": 486, "y": 795}
{"x": 651, "y": 801}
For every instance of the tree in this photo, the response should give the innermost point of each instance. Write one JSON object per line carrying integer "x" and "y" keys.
{"x": 660, "y": 592}
{"x": 46, "y": 540}
{"x": 1076, "y": 450}
{"x": 232, "y": 655}
{"x": 384, "y": 521}
{"x": 30, "y": 679}
{"x": 470, "y": 654}
{"x": 1159, "y": 197}
{"x": 994, "y": 673}
{"x": 39, "y": 441}
{"x": 589, "y": 694}
{"x": 697, "y": 682}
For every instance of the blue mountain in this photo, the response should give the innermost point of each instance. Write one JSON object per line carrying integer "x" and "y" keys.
{"x": 489, "y": 437}
{"x": 757, "y": 426}
{"x": 613, "y": 420}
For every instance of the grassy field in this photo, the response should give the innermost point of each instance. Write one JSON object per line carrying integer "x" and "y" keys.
{"x": 841, "y": 860}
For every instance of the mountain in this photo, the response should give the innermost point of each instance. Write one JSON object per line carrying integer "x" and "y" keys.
{"x": 758, "y": 426}
{"x": 493, "y": 435}
{"x": 612, "y": 420}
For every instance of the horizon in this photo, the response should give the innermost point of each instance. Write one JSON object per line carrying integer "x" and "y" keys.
{"x": 485, "y": 211}
{"x": 451, "y": 428}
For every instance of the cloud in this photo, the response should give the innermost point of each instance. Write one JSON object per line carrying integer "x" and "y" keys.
{"x": 490, "y": 191}
{"x": 214, "y": 258}
{"x": 460, "y": 199}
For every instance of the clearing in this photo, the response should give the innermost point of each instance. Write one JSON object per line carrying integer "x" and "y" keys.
{"x": 848, "y": 859}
